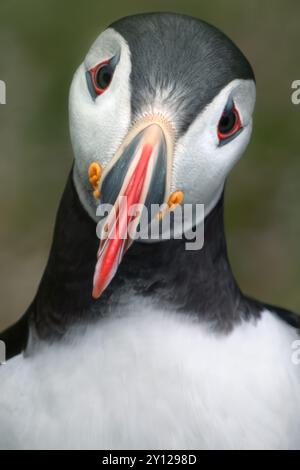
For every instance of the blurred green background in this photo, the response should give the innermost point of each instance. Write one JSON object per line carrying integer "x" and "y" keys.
{"x": 41, "y": 45}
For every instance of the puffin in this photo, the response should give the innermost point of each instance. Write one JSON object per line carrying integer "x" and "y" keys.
{"x": 135, "y": 341}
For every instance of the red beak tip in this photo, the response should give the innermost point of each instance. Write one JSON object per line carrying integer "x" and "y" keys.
{"x": 96, "y": 293}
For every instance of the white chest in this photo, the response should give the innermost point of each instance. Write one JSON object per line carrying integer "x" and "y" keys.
{"x": 152, "y": 380}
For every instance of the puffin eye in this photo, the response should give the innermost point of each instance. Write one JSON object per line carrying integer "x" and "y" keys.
{"x": 102, "y": 76}
{"x": 230, "y": 123}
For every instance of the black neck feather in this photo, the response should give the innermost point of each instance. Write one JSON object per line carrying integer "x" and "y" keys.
{"x": 194, "y": 282}
{"x": 199, "y": 282}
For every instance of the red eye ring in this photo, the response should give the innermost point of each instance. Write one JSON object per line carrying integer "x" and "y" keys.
{"x": 101, "y": 76}
{"x": 229, "y": 124}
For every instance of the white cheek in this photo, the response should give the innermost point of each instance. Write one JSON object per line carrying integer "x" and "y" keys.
{"x": 98, "y": 126}
{"x": 196, "y": 169}
{"x": 200, "y": 165}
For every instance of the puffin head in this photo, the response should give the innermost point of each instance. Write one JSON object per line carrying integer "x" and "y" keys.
{"x": 160, "y": 111}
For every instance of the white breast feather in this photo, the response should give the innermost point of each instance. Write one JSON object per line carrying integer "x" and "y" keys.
{"x": 154, "y": 380}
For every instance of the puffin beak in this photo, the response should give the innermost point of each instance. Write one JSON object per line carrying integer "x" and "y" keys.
{"x": 138, "y": 174}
